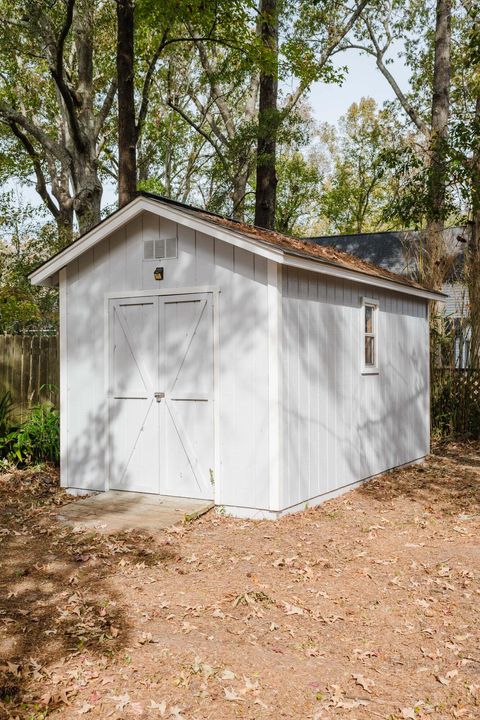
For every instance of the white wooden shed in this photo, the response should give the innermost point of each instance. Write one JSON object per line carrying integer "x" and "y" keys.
{"x": 204, "y": 358}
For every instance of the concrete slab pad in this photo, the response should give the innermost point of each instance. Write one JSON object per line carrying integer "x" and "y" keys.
{"x": 115, "y": 511}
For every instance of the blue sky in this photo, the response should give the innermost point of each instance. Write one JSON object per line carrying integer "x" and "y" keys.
{"x": 330, "y": 102}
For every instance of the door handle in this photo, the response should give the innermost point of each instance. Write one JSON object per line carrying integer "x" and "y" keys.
{"x": 158, "y": 396}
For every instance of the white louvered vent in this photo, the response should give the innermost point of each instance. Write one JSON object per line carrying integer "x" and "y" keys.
{"x": 160, "y": 249}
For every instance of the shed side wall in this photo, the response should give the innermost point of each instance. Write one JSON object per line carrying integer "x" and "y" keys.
{"x": 116, "y": 265}
{"x": 340, "y": 426}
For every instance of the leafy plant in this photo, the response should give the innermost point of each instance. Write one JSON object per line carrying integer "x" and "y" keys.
{"x": 6, "y": 407}
{"x": 37, "y": 439}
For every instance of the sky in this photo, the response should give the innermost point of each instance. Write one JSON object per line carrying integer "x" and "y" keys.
{"x": 329, "y": 102}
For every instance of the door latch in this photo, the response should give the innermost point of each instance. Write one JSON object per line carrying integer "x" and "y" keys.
{"x": 158, "y": 396}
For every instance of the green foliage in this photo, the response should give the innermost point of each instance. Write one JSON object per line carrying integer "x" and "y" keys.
{"x": 24, "y": 243}
{"x": 359, "y": 187}
{"x": 298, "y": 191}
{"x": 35, "y": 440}
{"x": 6, "y": 407}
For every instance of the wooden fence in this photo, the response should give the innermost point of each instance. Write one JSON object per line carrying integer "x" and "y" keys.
{"x": 456, "y": 401}
{"x": 29, "y": 369}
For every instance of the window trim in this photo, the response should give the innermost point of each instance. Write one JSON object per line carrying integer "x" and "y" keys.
{"x": 369, "y": 302}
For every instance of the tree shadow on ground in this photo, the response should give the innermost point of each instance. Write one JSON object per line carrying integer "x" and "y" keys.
{"x": 57, "y": 589}
{"x": 449, "y": 484}
{"x": 465, "y": 453}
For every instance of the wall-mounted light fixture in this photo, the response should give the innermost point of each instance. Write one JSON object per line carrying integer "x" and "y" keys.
{"x": 158, "y": 273}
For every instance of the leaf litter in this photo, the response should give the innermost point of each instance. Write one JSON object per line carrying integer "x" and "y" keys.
{"x": 364, "y": 607}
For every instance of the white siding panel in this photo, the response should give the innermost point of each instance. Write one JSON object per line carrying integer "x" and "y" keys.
{"x": 205, "y": 259}
{"x": 134, "y": 252}
{"x": 117, "y": 265}
{"x": 337, "y": 425}
{"x": 341, "y": 426}
{"x": 85, "y": 376}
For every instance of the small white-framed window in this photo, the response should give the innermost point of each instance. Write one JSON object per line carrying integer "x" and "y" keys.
{"x": 369, "y": 349}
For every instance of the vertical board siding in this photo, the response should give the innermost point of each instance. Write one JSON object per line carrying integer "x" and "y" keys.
{"x": 337, "y": 425}
{"x": 340, "y": 426}
{"x": 117, "y": 265}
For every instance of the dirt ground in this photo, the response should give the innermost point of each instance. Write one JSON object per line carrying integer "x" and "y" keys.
{"x": 365, "y": 607}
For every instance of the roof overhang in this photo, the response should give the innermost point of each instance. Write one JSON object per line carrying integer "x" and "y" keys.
{"x": 47, "y": 273}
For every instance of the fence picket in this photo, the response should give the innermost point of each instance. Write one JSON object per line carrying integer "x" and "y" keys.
{"x": 456, "y": 401}
{"x": 28, "y": 363}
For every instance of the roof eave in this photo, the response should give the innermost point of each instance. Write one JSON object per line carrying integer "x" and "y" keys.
{"x": 277, "y": 253}
{"x": 328, "y": 267}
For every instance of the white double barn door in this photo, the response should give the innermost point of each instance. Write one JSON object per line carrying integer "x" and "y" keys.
{"x": 161, "y": 420}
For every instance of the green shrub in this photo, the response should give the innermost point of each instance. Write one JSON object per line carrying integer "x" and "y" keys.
{"x": 37, "y": 439}
{"x": 6, "y": 407}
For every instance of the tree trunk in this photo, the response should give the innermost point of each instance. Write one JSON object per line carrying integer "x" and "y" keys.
{"x": 239, "y": 191}
{"x": 473, "y": 254}
{"x": 266, "y": 177}
{"x": 127, "y": 133}
{"x": 435, "y": 249}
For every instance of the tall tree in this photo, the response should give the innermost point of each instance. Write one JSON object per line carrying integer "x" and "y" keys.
{"x": 127, "y": 130}
{"x": 427, "y": 107}
{"x": 435, "y": 246}
{"x": 266, "y": 177}
{"x": 467, "y": 131}
{"x": 55, "y": 100}
{"x": 298, "y": 191}
{"x": 219, "y": 104}
{"x": 358, "y": 187}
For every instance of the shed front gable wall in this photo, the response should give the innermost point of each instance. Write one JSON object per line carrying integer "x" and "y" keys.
{"x": 340, "y": 426}
{"x": 116, "y": 266}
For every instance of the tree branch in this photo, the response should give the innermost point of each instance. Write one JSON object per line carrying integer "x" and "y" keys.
{"x": 56, "y": 71}
{"x": 207, "y": 115}
{"x": 10, "y": 115}
{"x": 201, "y": 132}
{"x": 327, "y": 53}
{"x": 215, "y": 90}
{"x": 41, "y": 185}
{"x": 402, "y": 98}
{"x": 106, "y": 107}
{"x": 153, "y": 63}
{"x": 142, "y": 113}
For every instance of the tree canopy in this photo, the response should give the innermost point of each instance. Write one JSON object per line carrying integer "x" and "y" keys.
{"x": 208, "y": 103}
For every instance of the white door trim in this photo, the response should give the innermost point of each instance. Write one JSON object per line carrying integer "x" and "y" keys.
{"x": 166, "y": 291}
{"x": 215, "y": 292}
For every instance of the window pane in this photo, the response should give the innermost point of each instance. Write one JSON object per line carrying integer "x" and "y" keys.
{"x": 368, "y": 319}
{"x": 369, "y": 351}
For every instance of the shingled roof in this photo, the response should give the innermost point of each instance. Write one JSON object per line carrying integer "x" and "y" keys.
{"x": 396, "y": 250}
{"x": 304, "y": 247}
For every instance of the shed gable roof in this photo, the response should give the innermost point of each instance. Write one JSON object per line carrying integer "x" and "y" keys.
{"x": 270, "y": 244}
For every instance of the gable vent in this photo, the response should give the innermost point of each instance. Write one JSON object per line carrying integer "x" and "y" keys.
{"x": 160, "y": 249}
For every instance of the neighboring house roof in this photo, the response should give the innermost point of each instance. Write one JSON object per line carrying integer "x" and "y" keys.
{"x": 393, "y": 250}
{"x": 280, "y": 248}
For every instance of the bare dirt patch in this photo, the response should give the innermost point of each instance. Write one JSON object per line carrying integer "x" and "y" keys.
{"x": 364, "y": 607}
